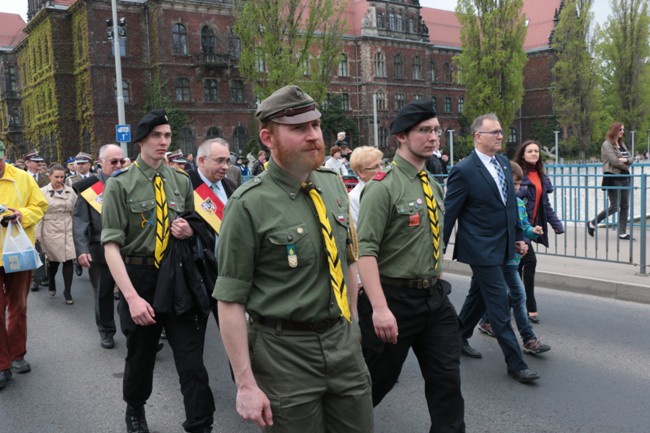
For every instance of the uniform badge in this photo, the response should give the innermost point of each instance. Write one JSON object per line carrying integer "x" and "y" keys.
{"x": 292, "y": 257}
{"x": 341, "y": 218}
{"x": 414, "y": 220}
{"x": 100, "y": 198}
{"x": 208, "y": 205}
{"x": 300, "y": 230}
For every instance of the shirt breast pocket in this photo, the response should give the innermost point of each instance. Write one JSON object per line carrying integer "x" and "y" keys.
{"x": 291, "y": 245}
{"x": 409, "y": 213}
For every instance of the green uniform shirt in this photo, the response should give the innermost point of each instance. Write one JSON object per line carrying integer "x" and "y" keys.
{"x": 394, "y": 223}
{"x": 129, "y": 208}
{"x": 268, "y": 220}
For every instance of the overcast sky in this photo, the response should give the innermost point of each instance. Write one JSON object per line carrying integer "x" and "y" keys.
{"x": 601, "y": 8}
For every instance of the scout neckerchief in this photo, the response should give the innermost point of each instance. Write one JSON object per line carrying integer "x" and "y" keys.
{"x": 94, "y": 195}
{"x": 208, "y": 205}
{"x": 336, "y": 271}
{"x": 162, "y": 218}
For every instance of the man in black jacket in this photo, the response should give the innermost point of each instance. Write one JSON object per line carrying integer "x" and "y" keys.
{"x": 87, "y": 231}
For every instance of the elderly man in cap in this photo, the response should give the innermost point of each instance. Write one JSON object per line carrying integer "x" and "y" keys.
{"x": 22, "y": 202}
{"x": 83, "y": 161}
{"x": 176, "y": 159}
{"x": 142, "y": 208}
{"x": 404, "y": 303}
{"x": 282, "y": 259}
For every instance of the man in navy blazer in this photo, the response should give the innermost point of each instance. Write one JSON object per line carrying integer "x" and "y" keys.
{"x": 487, "y": 237}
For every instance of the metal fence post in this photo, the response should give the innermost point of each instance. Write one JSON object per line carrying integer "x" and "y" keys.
{"x": 643, "y": 218}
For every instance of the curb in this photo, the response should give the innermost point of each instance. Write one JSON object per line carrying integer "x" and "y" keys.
{"x": 572, "y": 283}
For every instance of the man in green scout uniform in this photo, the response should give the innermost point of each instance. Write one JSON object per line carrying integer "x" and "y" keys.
{"x": 404, "y": 303}
{"x": 87, "y": 231}
{"x": 282, "y": 259}
{"x": 141, "y": 210}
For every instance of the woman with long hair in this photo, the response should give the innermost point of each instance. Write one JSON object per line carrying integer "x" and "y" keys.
{"x": 534, "y": 191}
{"x": 56, "y": 230}
{"x": 616, "y": 161}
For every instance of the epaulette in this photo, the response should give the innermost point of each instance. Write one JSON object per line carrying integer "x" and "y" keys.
{"x": 121, "y": 171}
{"x": 250, "y": 184}
{"x": 181, "y": 171}
{"x": 382, "y": 174}
{"x": 324, "y": 169}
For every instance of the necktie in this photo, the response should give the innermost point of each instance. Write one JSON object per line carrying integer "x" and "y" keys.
{"x": 162, "y": 220}
{"x": 503, "y": 187}
{"x": 336, "y": 272}
{"x": 432, "y": 207}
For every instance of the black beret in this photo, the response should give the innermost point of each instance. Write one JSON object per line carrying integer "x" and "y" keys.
{"x": 149, "y": 122}
{"x": 288, "y": 105}
{"x": 412, "y": 114}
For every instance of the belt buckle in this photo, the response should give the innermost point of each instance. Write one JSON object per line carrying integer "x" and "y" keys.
{"x": 427, "y": 282}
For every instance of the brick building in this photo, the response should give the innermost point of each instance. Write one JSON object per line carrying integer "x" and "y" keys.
{"x": 394, "y": 52}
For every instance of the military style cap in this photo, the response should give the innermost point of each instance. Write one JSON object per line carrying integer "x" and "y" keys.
{"x": 412, "y": 114}
{"x": 149, "y": 122}
{"x": 176, "y": 156}
{"x": 2, "y": 150}
{"x": 83, "y": 157}
{"x": 32, "y": 156}
{"x": 288, "y": 105}
{"x": 70, "y": 160}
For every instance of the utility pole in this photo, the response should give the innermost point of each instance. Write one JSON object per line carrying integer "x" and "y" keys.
{"x": 115, "y": 35}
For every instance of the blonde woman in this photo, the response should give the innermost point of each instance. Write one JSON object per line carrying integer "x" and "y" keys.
{"x": 365, "y": 161}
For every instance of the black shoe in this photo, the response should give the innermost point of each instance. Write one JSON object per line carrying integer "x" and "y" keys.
{"x": 21, "y": 366}
{"x": 34, "y": 287}
{"x": 78, "y": 269}
{"x": 533, "y": 319}
{"x": 524, "y": 376}
{"x": 203, "y": 430}
{"x": 136, "y": 422}
{"x": 108, "y": 342}
{"x": 5, "y": 375}
{"x": 590, "y": 229}
{"x": 626, "y": 237}
{"x": 468, "y": 350}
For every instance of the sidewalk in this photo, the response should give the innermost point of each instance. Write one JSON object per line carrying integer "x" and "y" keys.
{"x": 605, "y": 279}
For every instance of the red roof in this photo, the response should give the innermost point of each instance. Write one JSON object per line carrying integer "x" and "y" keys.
{"x": 11, "y": 29}
{"x": 444, "y": 28}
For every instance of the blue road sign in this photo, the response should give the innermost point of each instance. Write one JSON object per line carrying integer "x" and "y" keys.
{"x": 123, "y": 133}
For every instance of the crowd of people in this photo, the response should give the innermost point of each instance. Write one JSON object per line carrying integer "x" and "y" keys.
{"x": 319, "y": 294}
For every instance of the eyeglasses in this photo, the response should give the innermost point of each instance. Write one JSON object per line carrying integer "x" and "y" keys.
{"x": 426, "y": 130}
{"x": 220, "y": 161}
{"x": 494, "y": 133}
{"x": 117, "y": 161}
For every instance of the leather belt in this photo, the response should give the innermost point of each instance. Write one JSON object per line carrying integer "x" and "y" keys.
{"x": 420, "y": 283}
{"x": 289, "y": 325}
{"x": 139, "y": 261}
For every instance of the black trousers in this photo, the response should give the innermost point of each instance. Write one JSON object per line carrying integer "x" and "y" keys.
{"x": 186, "y": 336}
{"x": 428, "y": 323}
{"x": 527, "y": 267}
{"x": 103, "y": 285}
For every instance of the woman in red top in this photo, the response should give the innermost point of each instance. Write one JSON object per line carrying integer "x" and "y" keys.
{"x": 534, "y": 191}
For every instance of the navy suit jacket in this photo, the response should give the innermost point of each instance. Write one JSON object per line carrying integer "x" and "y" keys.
{"x": 487, "y": 229}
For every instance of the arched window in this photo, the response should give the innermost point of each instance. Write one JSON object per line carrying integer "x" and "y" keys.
{"x": 380, "y": 64}
{"x": 239, "y": 138}
{"x": 398, "y": 66}
{"x": 343, "y": 65}
{"x": 434, "y": 71}
{"x": 179, "y": 40}
{"x": 185, "y": 140}
{"x": 182, "y": 89}
{"x": 208, "y": 42}
{"x": 447, "y": 72}
{"x": 383, "y": 137}
{"x": 213, "y": 132}
{"x": 417, "y": 68}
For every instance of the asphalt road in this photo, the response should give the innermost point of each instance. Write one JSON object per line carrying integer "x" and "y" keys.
{"x": 596, "y": 379}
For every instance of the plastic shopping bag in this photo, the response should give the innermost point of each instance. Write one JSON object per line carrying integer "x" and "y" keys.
{"x": 18, "y": 252}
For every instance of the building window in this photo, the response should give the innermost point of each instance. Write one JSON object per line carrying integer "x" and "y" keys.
{"x": 512, "y": 138}
{"x": 391, "y": 21}
{"x": 185, "y": 140}
{"x": 182, "y": 89}
{"x": 383, "y": 137}
{"x": 179, "y": 40}
{"x": 380, "y": 65}
{"x": 447, "y": 104}
{"x": 447, "y": 71}
{"x": 380, "y": 21}
{"x": 400, "y": 23}
{"x": 461, "y": 105}
{"x": 208, "y": 42}
{"x": 213, "y": 132}
{"x": 260, "y": 64}
{"x": 126, "y": 91}
{"x": 417, "y": 97}
{"x": 239, "y": 138}
{"x": 345, "y": 101}
{"x": 398, "y": 65}
{"x": 210, "y": 93}
{"x": 14, "y": 119}
{"x": 237, "y": 91}
{"x": 305, "y": 66}
{"x": 343, "y": 65}
{"x": 417, "y": 68}
{"x": 434, "y": 101}
{"x": 399, "y": 101}
{"x": 411, "y": 26}
{"x": 12, "y": 86}
{"x": 381, "y": 100}
{"x": 459, "y": 76}
{"x": 434, "y": 71}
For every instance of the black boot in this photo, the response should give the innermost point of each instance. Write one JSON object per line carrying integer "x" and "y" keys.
{"x": 136, "y": 422}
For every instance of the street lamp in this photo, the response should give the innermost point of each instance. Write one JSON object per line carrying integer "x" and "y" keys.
{"x": 647, "y": 155}
{"x": 114, "y": 23}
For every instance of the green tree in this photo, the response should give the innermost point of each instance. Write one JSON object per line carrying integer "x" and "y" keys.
{"x": 493, "y": 57}
{"x": 158, "y": 98}
{"x": 574, "y": 82}
{"x": 289, "y": 42}
{"x": 335, "y": 119}
{"x": 624, "y": 54}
